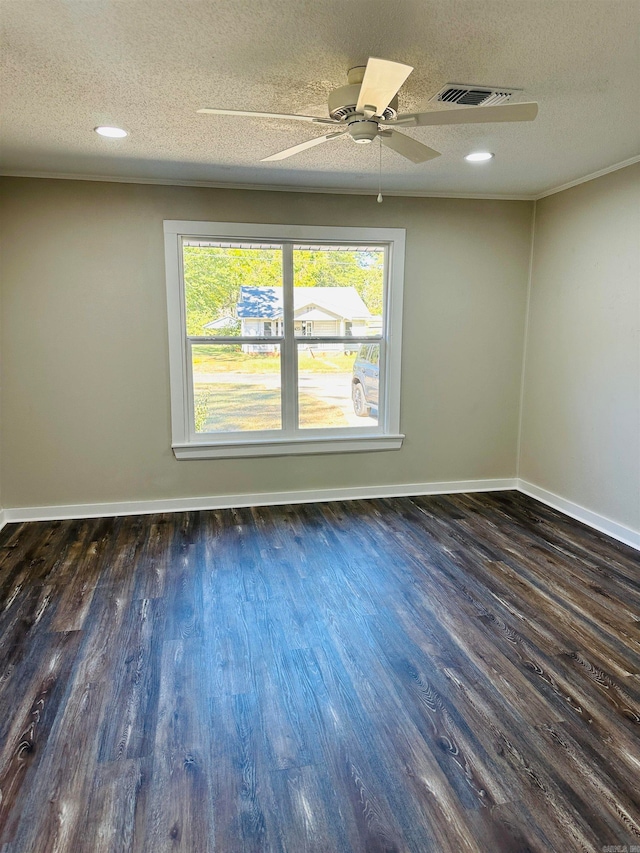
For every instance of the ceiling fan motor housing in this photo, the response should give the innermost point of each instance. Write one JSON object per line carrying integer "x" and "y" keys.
{"x": 342, "y": 103}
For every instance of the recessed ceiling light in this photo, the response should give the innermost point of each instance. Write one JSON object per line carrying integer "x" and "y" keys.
{"x": 111, "y": 132}
{"x": 478, "y": 157}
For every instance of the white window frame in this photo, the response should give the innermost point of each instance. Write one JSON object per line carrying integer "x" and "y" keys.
{"x": 187, "y": 444}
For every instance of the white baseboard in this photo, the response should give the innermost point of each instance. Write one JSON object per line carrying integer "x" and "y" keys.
{"x": 580, "y": 513}
{"x": 97, "y": 510}
{"x": 54, "y": 513}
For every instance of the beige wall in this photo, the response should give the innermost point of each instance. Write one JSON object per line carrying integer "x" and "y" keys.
{"x": 581, "y": 412}
{"x": 84, "y": 341}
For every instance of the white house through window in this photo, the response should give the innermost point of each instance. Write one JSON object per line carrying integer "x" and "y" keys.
{"x": 272, "y": 332}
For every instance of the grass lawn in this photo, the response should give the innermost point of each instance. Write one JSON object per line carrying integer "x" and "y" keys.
{"x": 229, "y": 407}
{"x": 220, "y": 359}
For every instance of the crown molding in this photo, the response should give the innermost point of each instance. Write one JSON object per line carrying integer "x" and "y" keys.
{"x": 170, "y": 182}
{"x": 586, "y": 178}
{"x": 220, "y": 185}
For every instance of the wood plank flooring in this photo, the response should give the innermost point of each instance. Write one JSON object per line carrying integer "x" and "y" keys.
{"x": 443, "y": 674}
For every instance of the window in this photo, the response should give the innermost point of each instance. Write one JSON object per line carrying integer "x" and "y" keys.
{"x": 269, "y": 327}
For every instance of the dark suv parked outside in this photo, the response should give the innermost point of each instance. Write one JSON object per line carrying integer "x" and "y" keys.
{"x": 366, "y": 380}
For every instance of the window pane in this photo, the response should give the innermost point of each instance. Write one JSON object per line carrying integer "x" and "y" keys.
{"x": 236, "y": 387}
{"x": 337, "y": 388}
{"x": 232, "y": 289}
{"x": 338, "y": 290}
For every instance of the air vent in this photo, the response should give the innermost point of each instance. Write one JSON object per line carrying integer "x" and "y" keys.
{"x": 473, "y": 96}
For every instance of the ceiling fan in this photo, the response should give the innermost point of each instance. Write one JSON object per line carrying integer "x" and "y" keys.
{"x": 367, "y": 109}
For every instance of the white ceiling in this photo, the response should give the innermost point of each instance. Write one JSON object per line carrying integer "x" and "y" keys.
{"x": 69, "y": 65}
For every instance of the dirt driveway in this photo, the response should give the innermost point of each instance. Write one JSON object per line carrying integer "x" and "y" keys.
{"x": 331, "y": 388}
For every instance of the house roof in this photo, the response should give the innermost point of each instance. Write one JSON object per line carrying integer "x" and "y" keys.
{"x": 312, "y": 313}
{"x": 220, "y": 323}
{"x": 266, "y": 302}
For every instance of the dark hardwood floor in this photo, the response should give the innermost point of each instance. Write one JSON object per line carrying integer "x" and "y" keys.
{"x": 440, "y": 674}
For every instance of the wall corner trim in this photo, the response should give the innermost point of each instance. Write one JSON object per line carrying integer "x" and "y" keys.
{"x": 525, "y": 339}
{"x": 623, "y": 534}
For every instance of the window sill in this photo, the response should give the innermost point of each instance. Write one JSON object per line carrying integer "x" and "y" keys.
{"x": 287, "y": 447}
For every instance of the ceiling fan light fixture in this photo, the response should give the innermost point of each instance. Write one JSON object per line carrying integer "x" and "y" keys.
{"x": 111, "y": 132}
{"x": 479, "y": 157}
{"x": 363, "y": 131}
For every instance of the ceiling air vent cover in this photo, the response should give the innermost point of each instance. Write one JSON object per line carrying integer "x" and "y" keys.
{"x": 474, "y": 96}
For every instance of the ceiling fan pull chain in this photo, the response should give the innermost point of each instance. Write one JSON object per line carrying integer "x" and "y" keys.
{"x": 379, "y": 199}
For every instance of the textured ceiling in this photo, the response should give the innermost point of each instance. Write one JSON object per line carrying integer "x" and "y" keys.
{"x": 69, "y": 65}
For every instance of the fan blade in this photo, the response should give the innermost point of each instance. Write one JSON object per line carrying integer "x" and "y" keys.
{"x": 380, "y": 84}
{"x": 251, "y": 114}
{"x": 289, "y": 152}
{"x": 408, "y": 147}
{"x": 469, "y": 115}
